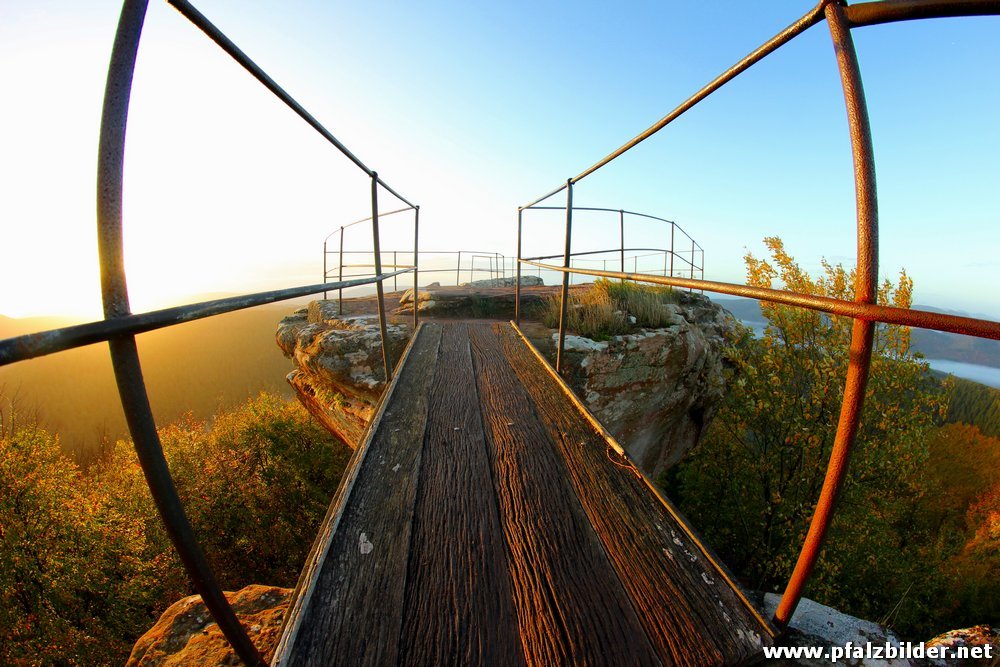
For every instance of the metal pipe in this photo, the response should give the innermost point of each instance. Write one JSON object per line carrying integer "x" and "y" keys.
{"x": 124, "y": 355}
{"x": 324, "y": 267}
{"x": 564, "y": 300}
{"x": 862, "y": 334}
{"x": 517, "y": 277}
{"x": 967, "y": 326}
{"x": 340, "y": 274}
{"x": 416, "y": 262}
{"x": 621, "y": 237}
{"x": 672, "y": 228}
{"x": 30, "y": 346}
{"x": 458, "y": 270}
{"x": 368, "y": 218}
{"x": 872, "y": 13}
{"x": 379, "y": 290}
{"x": 809, "y": 19}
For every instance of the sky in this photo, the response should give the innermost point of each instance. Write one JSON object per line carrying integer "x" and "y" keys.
{"x": 471, "y": 109}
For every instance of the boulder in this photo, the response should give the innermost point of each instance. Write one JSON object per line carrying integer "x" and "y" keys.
{"x": 655, "y": 390}
{"x": 815, "y": 624}
{"x": 339, "y": 374}
{"x": 186, "y": 634}
{"x": 978, "y": 635}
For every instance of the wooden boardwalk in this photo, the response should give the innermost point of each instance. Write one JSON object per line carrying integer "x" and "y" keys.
{"x": 486, "y": 521}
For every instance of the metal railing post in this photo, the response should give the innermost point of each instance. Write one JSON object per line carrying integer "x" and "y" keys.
{"x": 416, "y": 261}
{"x": 862, "y": 333}
{"x": 379, "y": 290}
{"x": 564, "y": 302}
{"x": 324, "y": 266}
{"x": 621, "y": 237}
{"x": 395, "y": 263}
{"x": 692, "y": 262}
{"x": 124, "y": 353}
{"x": 458, "y": 270}
{"x": 517, "y": 276}
{"x": 672, "y": 228}
{"x": 340, "y": 273}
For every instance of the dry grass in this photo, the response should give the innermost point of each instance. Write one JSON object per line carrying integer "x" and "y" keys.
{"x": 606, "y": 309}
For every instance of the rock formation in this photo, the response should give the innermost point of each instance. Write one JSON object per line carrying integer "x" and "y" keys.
{"x": 655, "y": 390}
{"x": 339, "y": 375}
{"x": 186, "y": 634}
{"x": 815, "y": 624}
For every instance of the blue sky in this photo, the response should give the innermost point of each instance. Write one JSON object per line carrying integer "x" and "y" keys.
{"x": 471, "y": 109}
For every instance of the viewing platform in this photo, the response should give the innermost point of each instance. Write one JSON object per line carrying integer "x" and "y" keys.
{"x": 488, "y": 519}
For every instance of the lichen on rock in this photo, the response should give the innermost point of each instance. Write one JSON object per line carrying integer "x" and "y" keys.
{"x": 656, "y": 389}
{"x": 186, "y": 633}
{"x": 339, "y": 374}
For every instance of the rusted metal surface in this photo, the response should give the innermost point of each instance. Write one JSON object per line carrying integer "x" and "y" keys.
{"x": 889, "y": 11}
{"x": 862, "y": 333}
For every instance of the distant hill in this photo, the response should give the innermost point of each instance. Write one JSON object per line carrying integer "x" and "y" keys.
{"x": 198, "y": 366}
{"x": 932, "y": 344}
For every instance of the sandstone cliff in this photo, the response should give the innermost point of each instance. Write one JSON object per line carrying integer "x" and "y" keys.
{"x": 656, "y": 389}
{"x": 339, "y": 374}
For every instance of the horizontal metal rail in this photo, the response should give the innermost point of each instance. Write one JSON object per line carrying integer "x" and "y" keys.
{"x": 922, "y": 319}
{"x": 891, "y": 11}
{"x": 656, "y": 252}
{"x": 42, "y": 343}
{"x": 368, "y": 219}
{"x": 614, "y": 210}
{"x": 227, "y": 45}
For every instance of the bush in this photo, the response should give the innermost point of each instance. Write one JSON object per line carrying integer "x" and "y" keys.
{"x": 85, "y": 564}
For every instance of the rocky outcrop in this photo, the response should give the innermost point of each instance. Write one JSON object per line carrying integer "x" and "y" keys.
{"x": 339, "y": 374}
{"x": 656, "y": 389}
{"x": 816, "y": 625}
{"x": 186, "y": 634}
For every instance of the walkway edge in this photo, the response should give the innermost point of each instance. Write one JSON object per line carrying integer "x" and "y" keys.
{"x": 669, "y": 506}
{"x": 303, "y": 592}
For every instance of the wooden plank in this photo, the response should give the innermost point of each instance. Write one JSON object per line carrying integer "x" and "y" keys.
{"x": 458, "y": 607}
{"x": 355, "y": 611}
{"x": 690, "y": 611}
{"x": 571, "y": 607}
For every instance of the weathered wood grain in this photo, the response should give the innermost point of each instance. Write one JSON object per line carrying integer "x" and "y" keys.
{"x": 689, "y": 611}
{"x": 356, "y": 609}
{"x": 458, "y": 608}
{"x": 571, "y": 607}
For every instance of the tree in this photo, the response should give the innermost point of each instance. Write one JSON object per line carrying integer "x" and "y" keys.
{"x": 73, "y": 587}
{"x": 752, "y": 484}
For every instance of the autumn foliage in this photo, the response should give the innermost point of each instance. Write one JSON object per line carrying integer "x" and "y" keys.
{"x": 914, "y": 540}
{"x": 85, "y": 564}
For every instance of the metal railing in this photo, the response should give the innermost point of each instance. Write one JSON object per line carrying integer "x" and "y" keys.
{"x": 840, "y": 19}
{"x": 120, "y": 326}
{"x": 689, "y": 254}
